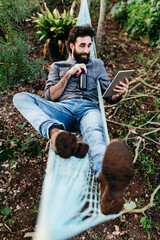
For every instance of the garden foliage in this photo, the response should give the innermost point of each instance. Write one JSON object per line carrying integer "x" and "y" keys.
{"x": 15, "y": 63}
{"x": 141, "y": 19}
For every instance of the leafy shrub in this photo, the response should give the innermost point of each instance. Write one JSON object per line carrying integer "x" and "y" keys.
{"x": 16, "y": 65}
{"x": 15, "y": 11}
{"x": 140, "y": 18}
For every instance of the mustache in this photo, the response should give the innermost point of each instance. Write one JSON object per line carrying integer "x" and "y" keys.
{"x": 87, "y": 54}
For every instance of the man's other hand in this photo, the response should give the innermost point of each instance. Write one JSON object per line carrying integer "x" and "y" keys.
{"x": 121, "y": 89}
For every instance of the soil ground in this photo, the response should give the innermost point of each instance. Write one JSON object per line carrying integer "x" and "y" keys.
{"x": 22, "y": 176}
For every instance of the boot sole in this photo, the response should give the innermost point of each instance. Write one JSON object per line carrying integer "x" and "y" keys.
{"x": 117, "y": 169}
{"x": 65, "y": 144}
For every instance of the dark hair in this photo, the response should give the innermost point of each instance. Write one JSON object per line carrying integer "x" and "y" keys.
{"x": 79, "y": 31}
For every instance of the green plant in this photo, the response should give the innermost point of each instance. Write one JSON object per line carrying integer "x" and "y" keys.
{"x": 8, "y": 155}
{"x": 5, "y": 211}
{"x": 22, "y": 125}
{"x": 31, "y": 146}
{"x": 11, "y": 221}
{"x": 94, "y": 9}
{"x": 147, "y": 224}
{"x": 15, "y": 64}
{"x": 93, "y": 235}
{"x": 54, "y": 25}
{"x": 140, "y": 18}
{"x": 148, "y": 165}
{"x": 16, "y": 11}
{"x": 145, "y": 61}
{"x": 35, "y": 208}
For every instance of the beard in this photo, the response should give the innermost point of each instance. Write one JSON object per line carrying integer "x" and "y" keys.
{"x": 79, "y": 57}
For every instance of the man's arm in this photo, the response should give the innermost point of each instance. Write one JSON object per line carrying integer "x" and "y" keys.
{"x": 57, "y": 89}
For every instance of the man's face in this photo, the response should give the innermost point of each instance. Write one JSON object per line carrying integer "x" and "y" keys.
{"x": 81, "y": 49}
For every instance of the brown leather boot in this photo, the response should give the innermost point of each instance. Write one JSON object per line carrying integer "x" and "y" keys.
{"x": 66, "y": 144}
{"x": 81, "y": 149}
{"x": 117, "y": 172}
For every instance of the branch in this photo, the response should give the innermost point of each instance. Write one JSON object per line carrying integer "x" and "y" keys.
{"x": 125, "y": 125}
{"x": 134, "y": 87}
{"x": 150, "y": 121}
{"x": 130, "y": 98}
{"x": 141, "y": 138}
{"x": 156, "y": 130}
{"x": 136, "y": 150}
{"x": 156, "y": 58}
{"x": 142, "y": 210}
{"x": 148, "y": 85}
{"x": 154, "y": 123}
{"x": 137, "y": 96}
{"x": 144, "y": 135}
{"x": 7, "y": 227}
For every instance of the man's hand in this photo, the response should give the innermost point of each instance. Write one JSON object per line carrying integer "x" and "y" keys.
{"x": 121, "y": 89}
{"x": 77, "y": 69}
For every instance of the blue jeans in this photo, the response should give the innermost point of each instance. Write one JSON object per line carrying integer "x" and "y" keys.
{"x": 70, "y": 115}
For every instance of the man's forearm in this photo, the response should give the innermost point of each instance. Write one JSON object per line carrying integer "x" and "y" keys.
{"x": 57, "y": 90}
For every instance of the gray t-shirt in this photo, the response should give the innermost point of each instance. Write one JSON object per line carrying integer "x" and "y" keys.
{"x": 95, "y": 71}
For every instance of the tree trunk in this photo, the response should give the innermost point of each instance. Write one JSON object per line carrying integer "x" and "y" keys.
{"x": 100, "y": 25}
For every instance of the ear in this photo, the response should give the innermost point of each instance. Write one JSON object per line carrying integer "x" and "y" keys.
{"x": 71, "y": 46}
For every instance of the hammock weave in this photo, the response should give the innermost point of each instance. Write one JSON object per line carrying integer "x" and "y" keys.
{"x": 70, "y": 201}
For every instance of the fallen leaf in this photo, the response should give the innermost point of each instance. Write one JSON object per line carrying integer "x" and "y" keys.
{"x": 135, "y": 216}
{"x": 115, "y": 233}
{"x": 29, "y": 234}
{"x": 129, "y": 206}
{"x": 116, "y": 228}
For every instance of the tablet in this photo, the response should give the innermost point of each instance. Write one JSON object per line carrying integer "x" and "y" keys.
{"x": 119, "y": 77}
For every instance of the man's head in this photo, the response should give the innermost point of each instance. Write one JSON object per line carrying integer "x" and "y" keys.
{"x": 79, "y": 42}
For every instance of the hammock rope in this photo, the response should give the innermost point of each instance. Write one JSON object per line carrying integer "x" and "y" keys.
{"x": 70, "y": 201}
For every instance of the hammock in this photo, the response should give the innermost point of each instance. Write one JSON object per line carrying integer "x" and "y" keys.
{"x": 70, "y": 202}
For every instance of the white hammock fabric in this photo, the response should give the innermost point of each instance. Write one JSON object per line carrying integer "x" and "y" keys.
{"x": 70, "y": 202}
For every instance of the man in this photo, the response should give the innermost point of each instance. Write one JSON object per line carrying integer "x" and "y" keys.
{"x": 69, "y": 108}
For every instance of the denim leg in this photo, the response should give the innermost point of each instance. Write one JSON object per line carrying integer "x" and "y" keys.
{"x": 43, "y": 114}
{"x": 92, "y": 129}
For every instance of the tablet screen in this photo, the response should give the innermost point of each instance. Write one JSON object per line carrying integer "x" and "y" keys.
{"x": 119, "y": 77}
